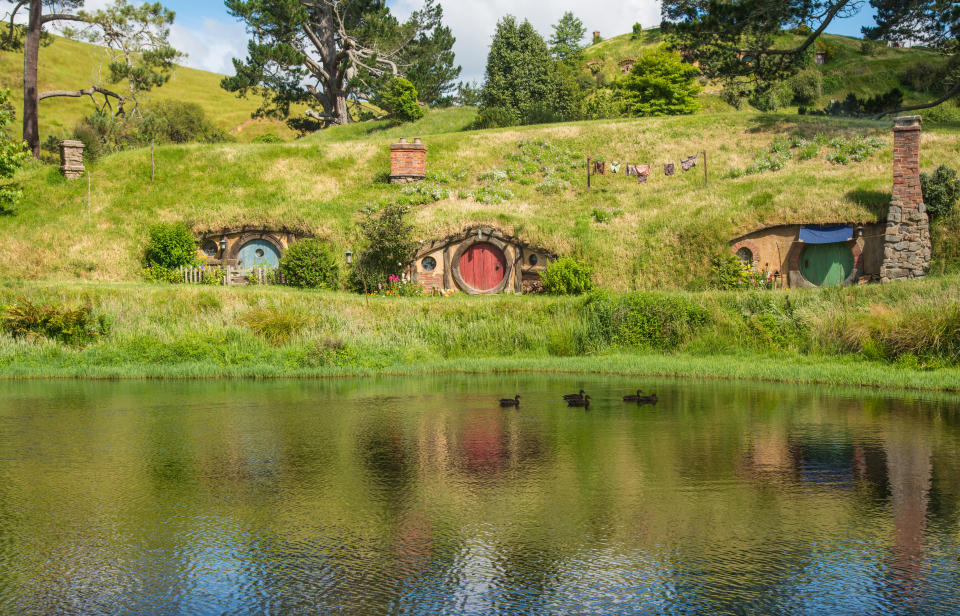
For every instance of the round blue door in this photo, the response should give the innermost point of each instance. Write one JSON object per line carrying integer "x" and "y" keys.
{"x": 258, "y": 253}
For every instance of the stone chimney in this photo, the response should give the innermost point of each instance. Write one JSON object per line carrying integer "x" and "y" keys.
{"x": 71, "y": 159}
{"x": 906, "y": 250}
{"x": 408, "y": 161}
{"x": 596, "y": 34}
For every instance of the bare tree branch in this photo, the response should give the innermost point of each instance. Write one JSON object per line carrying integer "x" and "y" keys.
{"x": 954, "y": 91}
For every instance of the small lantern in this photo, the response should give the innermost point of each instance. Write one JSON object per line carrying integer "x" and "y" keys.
{"x": 859, "y": 230}
{"x": 349, "y": 257}
{"x": 223, "y": 245}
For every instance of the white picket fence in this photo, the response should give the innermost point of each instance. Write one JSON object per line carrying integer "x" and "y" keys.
{"x": 233, "y": 275}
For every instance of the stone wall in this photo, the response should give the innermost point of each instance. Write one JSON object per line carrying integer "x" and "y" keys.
{"x": 906, "y": 251}
{"x": 408, "y": 161}
{"x": 71, "y": 159}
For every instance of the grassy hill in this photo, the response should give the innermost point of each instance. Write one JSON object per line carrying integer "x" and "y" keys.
{"x": 847, "y": 70}
{"x": 73, "y": 65}
{"x": 661, "y": 234}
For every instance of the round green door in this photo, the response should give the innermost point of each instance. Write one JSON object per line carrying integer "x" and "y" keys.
{"x": 826, "y": 265}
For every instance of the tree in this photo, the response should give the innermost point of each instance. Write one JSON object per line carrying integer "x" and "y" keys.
{"x": 637, "y": 33}
{"x": 137, "y": 42}
{"x": 42, "y": 14}
{"x": 328, "y": 51}
{"x": 12, "y": 156}
{"x": 660, "y": 83}
{"x": 522, "y": 78}
{"x": 566, "y": 38}
{"x": 737, "y": 41}
{"x": 430, "y": 61}
{"x": 388, "y": 246}
{"x": 399, "y": 98}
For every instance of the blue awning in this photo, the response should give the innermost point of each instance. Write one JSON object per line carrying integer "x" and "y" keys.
{"x": 826, "y": 234}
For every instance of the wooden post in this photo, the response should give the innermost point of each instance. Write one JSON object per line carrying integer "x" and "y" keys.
{"x": 588, "y": 172}
{"x": 153, "y": 167}
{"x": 706, "y": 180}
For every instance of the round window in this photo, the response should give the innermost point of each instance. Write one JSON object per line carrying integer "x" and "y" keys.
{"x": 209, "y": 248}
{"x": 745, "y": 255}
{"x": 259, "y": 252}
{"x": 533, "y": 259}
{"x": 428, "y": 264}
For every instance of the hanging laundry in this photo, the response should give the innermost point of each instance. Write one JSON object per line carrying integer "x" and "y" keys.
{"x": 689, "y": 162}
{"x": 632, "y": 169}
{"x": 615, "y": 167}
{"x": 668, "y": 169}
{"x": 599, "y": 167}
{"x": 643, "y": 172}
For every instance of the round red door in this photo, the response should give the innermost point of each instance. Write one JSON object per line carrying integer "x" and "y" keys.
{"x": 483, "y": 266}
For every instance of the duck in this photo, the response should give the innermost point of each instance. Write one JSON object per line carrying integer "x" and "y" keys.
{"x": 515, "y": 402}
{"x": 578, "y": 396}
{"x": 651, "y": 399}
{"x": 580, "y": 402}
{"x": 632, "y": 397}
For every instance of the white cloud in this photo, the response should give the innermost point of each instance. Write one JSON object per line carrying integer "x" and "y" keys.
{"x": 473, "y": 22}
{"x": 212, "y": 45}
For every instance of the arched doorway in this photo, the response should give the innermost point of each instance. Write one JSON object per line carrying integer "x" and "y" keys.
{"x": 826, "y": 265}
{"x": 482, "y": 266}
{"x": 258, "y": 253}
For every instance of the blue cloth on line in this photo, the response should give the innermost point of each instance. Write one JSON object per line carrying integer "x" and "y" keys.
{"x": 826, "y": 234}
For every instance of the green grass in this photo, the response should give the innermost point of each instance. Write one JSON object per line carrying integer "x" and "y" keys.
{"x": 856, "y": 336}
{"x": 665, "y": 237}
{"x": 73, "y": 65}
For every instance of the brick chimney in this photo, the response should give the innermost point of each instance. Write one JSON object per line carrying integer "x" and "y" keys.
{"x": 906, "y": 250}
{"x": 408, "y": 161}
{"x": 71, "y": 159}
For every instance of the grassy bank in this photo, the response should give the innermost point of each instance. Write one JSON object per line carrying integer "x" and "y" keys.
{"x": 899, "y": 335}
{"x": 657, "y": 235}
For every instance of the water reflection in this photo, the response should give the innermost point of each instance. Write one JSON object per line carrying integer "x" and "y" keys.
{"x": 423, "y": 496}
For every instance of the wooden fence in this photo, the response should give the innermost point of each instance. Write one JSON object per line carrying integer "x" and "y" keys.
{"x": 233, "y": 275}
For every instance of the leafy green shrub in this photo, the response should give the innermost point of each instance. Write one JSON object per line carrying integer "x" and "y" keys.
{"x": 488, "y": 195}
{"x": 940, "y": 190}
{"x": 770, "y": 99}
{"x": 660, "y": 83}
{"x": 266, "y": 138}
{"x": 735, "y": 94}
{"x": 807, "y": 86}
{"x": 12, "y": 156}
{"x": 637, "y": 32}
{"x": 275, "y": 325}
{"x": 551, "y": 186}
{"x": 925, "y": 76}
{"x": 496, "y": 117}
{"x": 729, "y": 272}
{"x": 421, "y": 193}
{"x": 388, "y": 245}
{"x": 308, "y": 264}
{"x": 184, "y": 122}
{"x": 171, "y": 245}
{"x": 399, "y": 98}
{"x": 869, "y": 47}
{"x": 948, "y": 112}
{"x": 808, "y": 151}
{"x": 567, "y": 276}
{"x": 602, "y": 103}
{"x": 70, "y": 326}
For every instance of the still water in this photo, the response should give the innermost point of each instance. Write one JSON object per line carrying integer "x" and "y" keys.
{"x": 422, "y": 496}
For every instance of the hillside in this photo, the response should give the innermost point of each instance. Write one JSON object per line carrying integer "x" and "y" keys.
{"x": 846, "y": 71}
{"x": 68, "y": 64}
{"x": 661, "y": 234}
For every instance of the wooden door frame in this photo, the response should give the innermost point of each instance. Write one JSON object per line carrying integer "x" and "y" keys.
{"x": 507, "y": 265}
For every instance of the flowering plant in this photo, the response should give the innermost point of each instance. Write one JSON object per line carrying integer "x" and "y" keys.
{"x": 402, "y": 286}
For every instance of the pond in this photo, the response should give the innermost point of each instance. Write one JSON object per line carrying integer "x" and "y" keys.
{"x": 423, "y": 496}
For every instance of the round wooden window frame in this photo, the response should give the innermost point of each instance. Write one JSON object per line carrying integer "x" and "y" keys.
{"x": 507, "y": 269}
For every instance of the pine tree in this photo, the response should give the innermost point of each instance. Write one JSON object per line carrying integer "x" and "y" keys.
{"x": 565, "y": 42}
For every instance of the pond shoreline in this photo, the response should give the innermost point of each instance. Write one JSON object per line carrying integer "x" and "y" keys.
{"x": 795, "y": 370}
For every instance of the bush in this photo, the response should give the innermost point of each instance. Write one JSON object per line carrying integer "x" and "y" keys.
{"x": 567, "y": 276}
{"x": 71, "y": 326}
{"x": 925, "y": 76}
{"x": 869, "y": 47}
{"x": 807, "y": 86}
{"x": 735, "y": 95}
{"x": 171, "y": 245}
{"x": 12, "y": 156}
{"x": 770, "y": 99}
{"x": 399, "y": 98}
{"x": 660, "y": 83}
{"x": 495, "y": 117}
{"x": 388, "y": 247}
{"x": 729, "y": 272}
{"x": 308, "y": 264}
{"x": 266, "y": 138}
{"x": 183, "y": 122}
{"x": 637, "y": 32}
{"x": 940, "y": 191}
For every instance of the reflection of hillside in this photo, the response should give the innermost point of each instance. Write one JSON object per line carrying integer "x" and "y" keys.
{"x": 364, "y": 496}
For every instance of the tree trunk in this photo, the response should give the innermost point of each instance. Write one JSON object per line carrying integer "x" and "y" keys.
{"x": 31, "y": 99}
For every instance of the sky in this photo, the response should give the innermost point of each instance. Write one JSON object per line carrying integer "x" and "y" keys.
{"x": 211, "y": 37}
